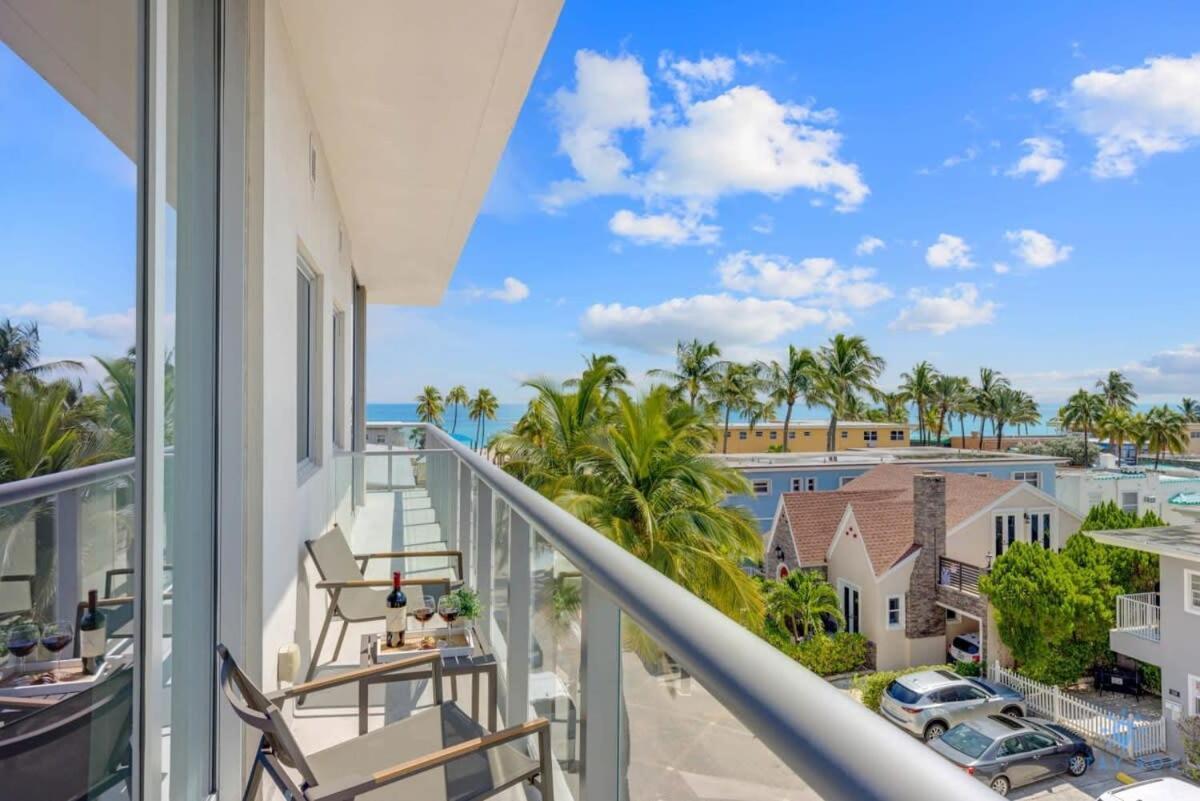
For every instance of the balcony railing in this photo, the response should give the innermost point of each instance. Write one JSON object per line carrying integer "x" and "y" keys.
{"x": 1139, "y": 615}
{"x": 959, "y": 575}
{"x": 652, "y": 693}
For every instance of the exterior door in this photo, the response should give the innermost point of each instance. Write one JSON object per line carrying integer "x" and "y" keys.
{"x": 850, "y": 607}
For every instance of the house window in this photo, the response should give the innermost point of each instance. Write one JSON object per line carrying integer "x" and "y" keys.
{"x": 758, "y": 433}
{"x": 845, "y": 434}
{"x": 951, "y": 616}
{"x": 844, "y": 480}
{"x": 896, "y": 436}
{"x": 1031, "y": 477}
{"x": 808, "y": 433}
{"x": 741, "y": 435}
{"x": 895, "y": 611}
{"x": 1034, "y": 528}
{"x": 791, "y": 435}
{"x": 804, "y": 485}
{"x": 1195, "y": 435}
{"x": 1191, "y": 589}
{"x": 1129, "y": 502}
{"x": 1046, "y": 530}
{"x": 983, "y": 475}
{"x": 306, "y": 362}
{"x": 774, "y": 435}
{"x": 1005, "y": 530}
{"x": 762, "y": 486}
{"x": 871, "y": 436}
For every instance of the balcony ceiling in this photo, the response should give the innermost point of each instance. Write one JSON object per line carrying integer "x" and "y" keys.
{"x": 414, "y": 103}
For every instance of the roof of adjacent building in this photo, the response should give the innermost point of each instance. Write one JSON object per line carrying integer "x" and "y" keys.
{"x": 821, "y": 424}
{"x": 882, "y": 503}
{"x": 1178, "y": 541}
{"x": 859, "y": 457}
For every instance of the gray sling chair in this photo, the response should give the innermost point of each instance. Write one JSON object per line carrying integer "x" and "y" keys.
{"x": 436, "y": 754}
{"x": 355, "y": 599}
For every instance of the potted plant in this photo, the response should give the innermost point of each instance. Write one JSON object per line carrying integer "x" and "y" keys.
{"x": 469, "y": 607}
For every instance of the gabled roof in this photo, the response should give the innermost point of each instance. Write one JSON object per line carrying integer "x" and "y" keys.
{"x": 882, "y": 502}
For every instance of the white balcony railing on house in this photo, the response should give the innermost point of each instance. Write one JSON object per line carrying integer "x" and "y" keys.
{"x": 651, "y": 692}
{"x": 1139, "y": 615}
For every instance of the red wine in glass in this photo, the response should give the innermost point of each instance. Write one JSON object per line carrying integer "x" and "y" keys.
{"x": 423, "y": 614}
{"x": 56, "y": 642}
{"x": 22, "y": 647}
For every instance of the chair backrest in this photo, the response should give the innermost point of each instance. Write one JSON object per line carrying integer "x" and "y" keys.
{"x": 255, "y": 709}
{"x": 335, "y": 562}
{"x": 88, "y": 731}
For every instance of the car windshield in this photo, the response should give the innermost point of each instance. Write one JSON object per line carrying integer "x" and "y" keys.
{"x": 903, "y": 694}
{"x": 965, "y": 645}
{"x": 966, "y": 740}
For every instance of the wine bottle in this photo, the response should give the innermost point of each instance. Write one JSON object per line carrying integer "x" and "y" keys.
{"x": 93, "y": 636}
{"x": 397, "y": 614}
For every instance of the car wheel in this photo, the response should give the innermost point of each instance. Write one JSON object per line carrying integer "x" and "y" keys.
{"x": 1000, "y": 785}
{"x": 934, "y": 731}
{"x": 1077, "y": 765}
{"x": 1014, "y": 711}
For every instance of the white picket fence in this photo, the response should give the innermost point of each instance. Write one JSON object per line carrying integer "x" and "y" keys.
{"x": 1128, "y": 736}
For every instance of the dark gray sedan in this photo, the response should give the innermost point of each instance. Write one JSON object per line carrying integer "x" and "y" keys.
{"x": 1005, "y": 752}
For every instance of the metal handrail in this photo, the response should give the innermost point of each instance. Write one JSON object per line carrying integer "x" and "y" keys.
{"x": 841, "y": 749}
{"x": 29, "y": 489}
{"x": 962, "y": 576}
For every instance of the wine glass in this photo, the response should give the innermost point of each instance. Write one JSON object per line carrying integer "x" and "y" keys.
{"x": 22, "y": 639}
{"x": 448, "y": 611}
{"x": 423, "y": 612}
{"x": 57, "y": 635}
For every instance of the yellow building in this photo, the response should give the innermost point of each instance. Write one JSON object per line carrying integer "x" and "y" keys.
{"x": 808, "y": 436}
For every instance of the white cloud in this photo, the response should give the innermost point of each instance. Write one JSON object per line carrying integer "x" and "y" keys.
{"x": 692, "y": 152}
{"x": 1001, "y": 268}
{"x": 819, "y": 279}
{"x": 1137, "y": 113}
{"x": 511, "y": 291}
{"x": 733, "y": 322}
{"x": 949, "y": 251}
{"x": 956, "y": 307}
{"x": 765, "y": 224}
{"x": 70, "y": 317}
{"x": 868, "y": 245}
{"x": 1163, "y": 376}
{"x": 1044, "y": 160}
{"x": 1038, "y": 94}
{"x": 663, "y": 229}
{"x": 1036, "y": 249}
{"x": 961, "y": 158}
{"x": 757, "y": 58}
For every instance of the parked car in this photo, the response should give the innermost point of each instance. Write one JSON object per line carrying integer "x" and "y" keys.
{"x": 965, "y": 648}
{"x": 1004, "y": 752}
{"x": 928, "y": 703}
{"x": 1165, "y": 789}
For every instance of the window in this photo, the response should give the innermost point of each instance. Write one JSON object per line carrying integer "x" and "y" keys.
{"x": 983, "y": 475}
{"x": 1195, "y": 435}
{"x": 1012, "y": 529}
{"x": 895, "y": 611}
{"x": 1033, "y": 528}
{"x": 758, "y": 433}
{"x": 896, "y": 436}
{"x": 1005, "y": 530}
{"x": 808, "y": 433}
{"x": 845, "y": 434}
{"x": 762, "y": 486}
{"x": 306, "y": 362}
{"x": 774, "y": 435}
{"x": 791, "y": 435}
{"x": 1129, "y": 502}
{"x": 1046, "y": 530}
{"x": 1013, "y": 745}
{"x": 844, "y": 480}
{"x": 337, "y": 407}
{"x": 1031, "y": 477}
{"x": 804, "y": 485}
{"x": 1036, "y": 742}
{"x": 1191, "y": 589}
{"x": 742, "y": 435}
{"x": 871, "y": 436}
{"x": 951, "y": 615}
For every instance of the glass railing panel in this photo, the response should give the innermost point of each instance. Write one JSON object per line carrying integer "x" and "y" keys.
{"x": 20, "y": 524}
{"x": 678, "y": 742}
{"x": 498, "y": 619}
{"x": 555, "y": 655}
{"x": 106, "y": 551}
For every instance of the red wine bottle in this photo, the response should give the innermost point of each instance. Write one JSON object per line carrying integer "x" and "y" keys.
{"x": 397, "y": 614}
{"x": 93, "y": 636}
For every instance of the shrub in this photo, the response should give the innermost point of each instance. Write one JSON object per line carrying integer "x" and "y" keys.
{"x": 968, "y": 668}
{"x": 872, "y": 686}
{"x": 828, "y": 655}
{"x": 1189, "y": 727}
{"x": 1151, "y": 677}
{"x": 1066, "y": 447}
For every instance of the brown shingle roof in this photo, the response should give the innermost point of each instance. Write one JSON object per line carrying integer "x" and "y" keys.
{"x": 882, "y": 500}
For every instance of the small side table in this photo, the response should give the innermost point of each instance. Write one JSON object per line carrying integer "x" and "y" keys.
{"x": 479, "y": 663}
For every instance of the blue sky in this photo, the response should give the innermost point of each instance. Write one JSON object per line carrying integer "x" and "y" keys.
{"x": 1011, "y": 186}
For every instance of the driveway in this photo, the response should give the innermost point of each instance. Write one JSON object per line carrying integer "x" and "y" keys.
{"x": 1100, "y": 777}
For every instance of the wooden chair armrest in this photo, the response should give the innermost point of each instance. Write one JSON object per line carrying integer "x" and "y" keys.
{"x": 18, "y": 702}
{"x": 362, "y": 674}
{"x": 358, "y": 583}
{"x": 352, "y": 787}
{"x": 458, "y": 556}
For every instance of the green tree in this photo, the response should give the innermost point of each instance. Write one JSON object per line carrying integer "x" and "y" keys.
{"x": 918, "y": 386}
{"x": 949, "y": 398}
{"x": 735, "y": 389}
{"x": 21, "y": 352}
{"x": 39, "y": 436}
{"x": 1117, "y": 391}
{"x": 483, "y": 407}
{"x": 845, "y": 368}
{"x": 1118, "y": 426}
{"x": 612, "y": 373}
{"x": 430, "y": 406}
{"x": 1081, "y": 413}
{"x": 1165, "y": 431}
{"x": 802, "y": 601}
{"x": 1190, "y": 409}
{"x": 790, "y": 382}
{"x": 697, "y": 365}
{"x": 990, "y": 381}
{"x": 457, "y": 398}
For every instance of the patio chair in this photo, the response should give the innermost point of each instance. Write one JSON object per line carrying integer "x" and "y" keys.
{"x": 71, "y": 749}
{"x": 355, "y": 599}
{"x": 436, "y": 754}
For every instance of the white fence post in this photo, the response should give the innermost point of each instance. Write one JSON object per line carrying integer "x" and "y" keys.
{"x": 1129, "y": 749}
{"x": 1056, "y": 701}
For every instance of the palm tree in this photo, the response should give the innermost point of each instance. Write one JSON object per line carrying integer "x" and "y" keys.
{"x": 1005, "y": 408}
{"x": 948, "y": 397}
{"x": 20, "y": 353}
{"x": 791, "y": 382}
{"x": 802, "y": 602}
{"x": 918, "y": 386}
{"x": 1190, "y": 409}
{"x": 989, "y": 381}
{"x": 735, "y": 389}
{"x": 1166, "y": 432}
{"x": 1117, "y": 390}
{"x": 845, "y": 367}
{"x": 1119, "y": 427}
{"x": 38, "y": 436}
{"x": 430, "y": 406}
{"x": 697, "y": 364}
{"x": 611, "y": 372}
{"x": 1027, "y": 414}
{"x": 895, "y": 407}
{"x": 1081, "y": 413}
{"x": 457, "y": 397}
{"x": 483, "y": 408}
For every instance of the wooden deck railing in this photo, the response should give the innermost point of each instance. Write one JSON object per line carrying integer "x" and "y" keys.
{"x": 959, "y": 575}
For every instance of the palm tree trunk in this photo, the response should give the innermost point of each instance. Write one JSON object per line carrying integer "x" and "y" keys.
{"x": 999, "y": 436}
{"x": 787, "y": 421}
{"x": 725, "y": 440}
{"x": 454, "y": 425}
{"x": 982, "y": 421}
{"x": 831, "y": 434}
{"x": 921, "y": 422}
{"x": 962, "y": 428}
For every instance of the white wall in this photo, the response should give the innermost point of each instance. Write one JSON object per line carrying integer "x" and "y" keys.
{"x": 299, "y": 216}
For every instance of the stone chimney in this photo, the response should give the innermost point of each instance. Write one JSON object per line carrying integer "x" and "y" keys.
{"x": 923, "y": 617}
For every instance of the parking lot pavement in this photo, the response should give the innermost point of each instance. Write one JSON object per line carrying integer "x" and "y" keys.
{"x": 1100, "y": 778}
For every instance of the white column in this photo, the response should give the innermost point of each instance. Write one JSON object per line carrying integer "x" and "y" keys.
{"x": 600, "y": 696}
{"x": 520, "y": 612}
